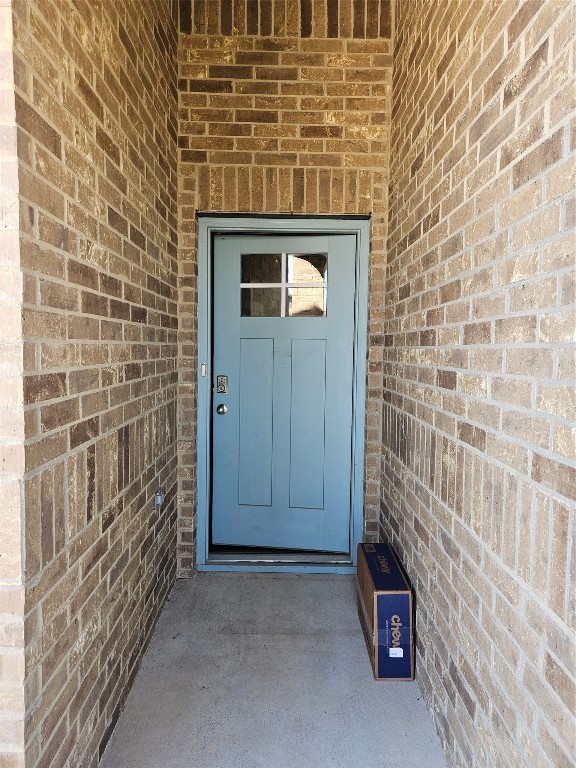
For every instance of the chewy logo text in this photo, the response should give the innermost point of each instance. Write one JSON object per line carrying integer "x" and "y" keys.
{"x": 396, "y": 624}
{"x": 384, "y": 567}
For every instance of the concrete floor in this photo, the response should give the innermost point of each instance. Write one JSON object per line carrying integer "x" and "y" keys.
{"x": 267, "y": 671}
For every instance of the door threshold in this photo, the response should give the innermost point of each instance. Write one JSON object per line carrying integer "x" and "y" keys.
{"x": 295, "y": 562}
{"x": 268, "y": 557}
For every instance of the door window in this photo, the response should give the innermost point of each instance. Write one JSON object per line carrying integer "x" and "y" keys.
{"x": 284, "y": 284}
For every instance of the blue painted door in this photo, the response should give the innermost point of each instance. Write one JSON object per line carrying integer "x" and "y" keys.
{"x": 283, "y": 320}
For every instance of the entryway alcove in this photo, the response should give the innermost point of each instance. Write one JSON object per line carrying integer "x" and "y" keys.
{"x": 450, "y": 125}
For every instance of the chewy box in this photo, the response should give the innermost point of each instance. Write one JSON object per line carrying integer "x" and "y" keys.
{"x": 385, "y": 611}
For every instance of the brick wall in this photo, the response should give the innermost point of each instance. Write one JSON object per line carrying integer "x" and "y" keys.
{"x": 96, "y": 112}
{"x": 11, "y": 421}
{"x": 478, "y": 475}
{"x": 284, "y": 107}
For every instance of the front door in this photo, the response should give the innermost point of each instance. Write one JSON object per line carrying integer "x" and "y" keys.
{"x": 283, "y": 320}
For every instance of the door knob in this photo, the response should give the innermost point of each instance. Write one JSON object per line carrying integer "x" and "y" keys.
{"x": 221, "y": 409}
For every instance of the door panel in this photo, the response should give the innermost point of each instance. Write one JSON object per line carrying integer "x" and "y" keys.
{"x": 255, "y": 422}
{"x": 307, "y": 414}
{"x": 283, "y": 335}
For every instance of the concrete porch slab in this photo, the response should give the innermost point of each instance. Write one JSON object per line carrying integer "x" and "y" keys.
{"x": 267, "y": 671}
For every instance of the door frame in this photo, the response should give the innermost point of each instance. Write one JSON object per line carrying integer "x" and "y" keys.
{"x": 209, "y": 225}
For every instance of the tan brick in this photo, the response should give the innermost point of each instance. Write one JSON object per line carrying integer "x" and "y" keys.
{"x": 520, "y": 20}
{"x": 568, "y": 289}
{"x": 552, "y": 749}
{"x": 497, "y": 135}
{"x": 508, "y": 452}
{"x": 556, "y": 400}
{"x": 561, "y": 180}
{"x": 525, "y": 361}
{"x": 558, "y": 327}
{"x": 538, "y": 228}
{"x": 523, "y": 139}
{"x": 559, "y": 254}
{"x": 521, "y": 204}
{"x": 512, "y": 391}
{"x": 563, "y": 104}
{"x": 559, "y": 590}
{"x": 542, "y": 157}
{"x": 488, "y": 306}
{"x": 472, "y": 435}
{"x": 564, "y": 440}
{"x": 552, "y": 474}
{"x": 518, "y": 268}
{"x": 32, "y": 122}
{"x": 11, "y": 559}
{"x": 477, "y": 333}
{"x": 560, "y": 681}
{"x": 529, "y": 71}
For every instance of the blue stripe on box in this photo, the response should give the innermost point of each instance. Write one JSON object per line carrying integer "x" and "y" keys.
{"x": 383, "y": 568}
{"x": 394, "y": 635}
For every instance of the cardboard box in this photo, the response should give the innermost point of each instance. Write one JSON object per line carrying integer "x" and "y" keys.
{"x": 385, "y": 612}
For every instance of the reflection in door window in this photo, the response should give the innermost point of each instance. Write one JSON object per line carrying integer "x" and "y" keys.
{"x": 261, "y": 268}
{"x": 284, "y": 285}
{"x": 261, "y": 302}
{"x": 306, "y": 302}
{"x": 309, "y": 268}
